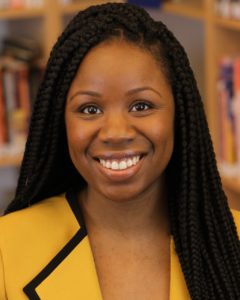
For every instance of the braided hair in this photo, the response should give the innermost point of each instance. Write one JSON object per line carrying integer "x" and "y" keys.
{"x": 201, "y": 223}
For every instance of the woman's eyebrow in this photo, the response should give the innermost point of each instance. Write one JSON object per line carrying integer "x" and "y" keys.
{"x": 130, "y": 92}
{"x": 89, "y": 93}
{"x": 144, "y": 88}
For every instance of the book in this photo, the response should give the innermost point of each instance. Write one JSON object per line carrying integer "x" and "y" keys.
{"x": 228, "y": 87}
{"x": 16, "y": 4}
{"x": 3, "y": 128}
{"x": 146, "y": 3}
{"x": 20, "y": 4}
{"x": 21, "y": 48}
{"x": 227, "y": 123}
{"x": 16, "y": 103}
{"x": 236, "y": 106}
{"x": 228, "y": 8}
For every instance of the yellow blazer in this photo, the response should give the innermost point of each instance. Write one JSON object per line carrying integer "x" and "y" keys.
{"x": 45, "y": 254}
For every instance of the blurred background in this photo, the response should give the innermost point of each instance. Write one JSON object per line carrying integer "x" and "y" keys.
{"x": 208, "y": 29}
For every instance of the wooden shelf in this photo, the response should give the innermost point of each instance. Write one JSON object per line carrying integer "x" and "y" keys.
{"x": 10, "y": 161}
{"x": 76, "y": 7}
{"x": 26, "y": 13}
{"x": 184, "y": 10}
{"x": 227, "y": 23}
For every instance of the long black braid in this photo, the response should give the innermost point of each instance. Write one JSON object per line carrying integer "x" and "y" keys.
{"x": 201, "y": 223}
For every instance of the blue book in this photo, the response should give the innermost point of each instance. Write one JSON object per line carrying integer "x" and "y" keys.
{"x": 146, "y": 3}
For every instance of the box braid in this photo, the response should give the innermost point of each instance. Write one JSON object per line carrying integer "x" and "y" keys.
{"x": 201, "y": 223}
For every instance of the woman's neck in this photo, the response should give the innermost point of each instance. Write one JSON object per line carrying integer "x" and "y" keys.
{"x": 147, "y": 213}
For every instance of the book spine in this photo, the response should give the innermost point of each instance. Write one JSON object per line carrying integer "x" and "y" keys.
{"x": 33, "y": 3}
{"x": 17, "y": 85}
{"x": 236, "y": 107}
{"x": 227, "y": 137}
{"x": 10, "y": 103}
{"x": 225, "y": 8}
{"x": 15, "y": 4}
{"x": 146, "y": 3}
{"x": 24, "y": 97}
{"x": 222, "y": 124}
{"x": 235, "y": 9}
{"x": 3, "y": 129}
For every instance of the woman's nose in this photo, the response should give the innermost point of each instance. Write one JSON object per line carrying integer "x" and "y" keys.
{"x": 116, "y": 129}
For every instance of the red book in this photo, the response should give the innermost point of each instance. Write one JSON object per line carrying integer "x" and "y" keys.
{"x": 3, "y": 128}
{"x": 24, "y": 94}
{"x": 236, "y": 106}
{"x": 16, "y": 3}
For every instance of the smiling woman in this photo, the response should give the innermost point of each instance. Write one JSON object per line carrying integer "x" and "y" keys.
{"x": 108, "y": 106}
{"x": 119, "y": 196}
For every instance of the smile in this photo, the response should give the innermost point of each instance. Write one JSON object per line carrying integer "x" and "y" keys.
{"x": 121, "y": 164}
{"x": 119, "y": 167}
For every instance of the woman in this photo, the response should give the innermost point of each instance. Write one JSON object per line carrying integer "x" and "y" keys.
{"x": 119, "y": 196}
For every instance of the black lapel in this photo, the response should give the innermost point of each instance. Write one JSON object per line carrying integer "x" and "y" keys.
{"x": 30, "y": 288}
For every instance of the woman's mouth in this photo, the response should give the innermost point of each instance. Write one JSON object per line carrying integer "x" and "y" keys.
{"x": 120, "y": 164}
{"x": 120, "y": 168}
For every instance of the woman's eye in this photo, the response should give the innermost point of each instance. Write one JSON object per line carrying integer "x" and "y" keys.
{"x": 141, "y": 106}
{"x": 90, "y": 110}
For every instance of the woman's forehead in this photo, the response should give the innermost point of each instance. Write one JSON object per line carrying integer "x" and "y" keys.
{"x": 117, "y": 69}
{"x": 121, "y": 57}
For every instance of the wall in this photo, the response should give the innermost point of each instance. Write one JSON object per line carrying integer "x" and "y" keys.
{"x": 190, "y": 33}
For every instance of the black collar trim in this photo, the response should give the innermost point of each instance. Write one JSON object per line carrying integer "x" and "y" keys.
{"x": 30, "y": 288}
{"x": 71, "y": 197}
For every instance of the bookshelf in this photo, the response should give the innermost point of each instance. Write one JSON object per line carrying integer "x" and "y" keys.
{"x": 11, "y": 161}
{"x": 227, "y": 23}
{"x": 27, "y": 13}
{"x": 50, "y": 15}
{"x": 221, "y": 37}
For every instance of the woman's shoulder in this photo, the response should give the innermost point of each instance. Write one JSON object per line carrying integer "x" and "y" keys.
{"x": 48, "y": 224}
{"x": 34, "y": 215}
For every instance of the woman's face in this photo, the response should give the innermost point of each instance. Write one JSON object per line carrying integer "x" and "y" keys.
{"x": 120, "y": 121}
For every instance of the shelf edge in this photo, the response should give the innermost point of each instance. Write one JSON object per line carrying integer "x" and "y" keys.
{"x": 76, "y": 7}
{"x": 21, "y": 13}
{"x": 10, "y": 161}
{"x": 227, "y": 23}
{"x": 184, "y": 10}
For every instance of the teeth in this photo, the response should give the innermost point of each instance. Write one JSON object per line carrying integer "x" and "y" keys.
{"x": 120, "y": 165}
{"x": 108, "y": 164}
{"x": 129, "y": 163}
{"x": 134, "y": 160}
{"x": 115, "y": 165}
{"x": 103, "y": 162}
